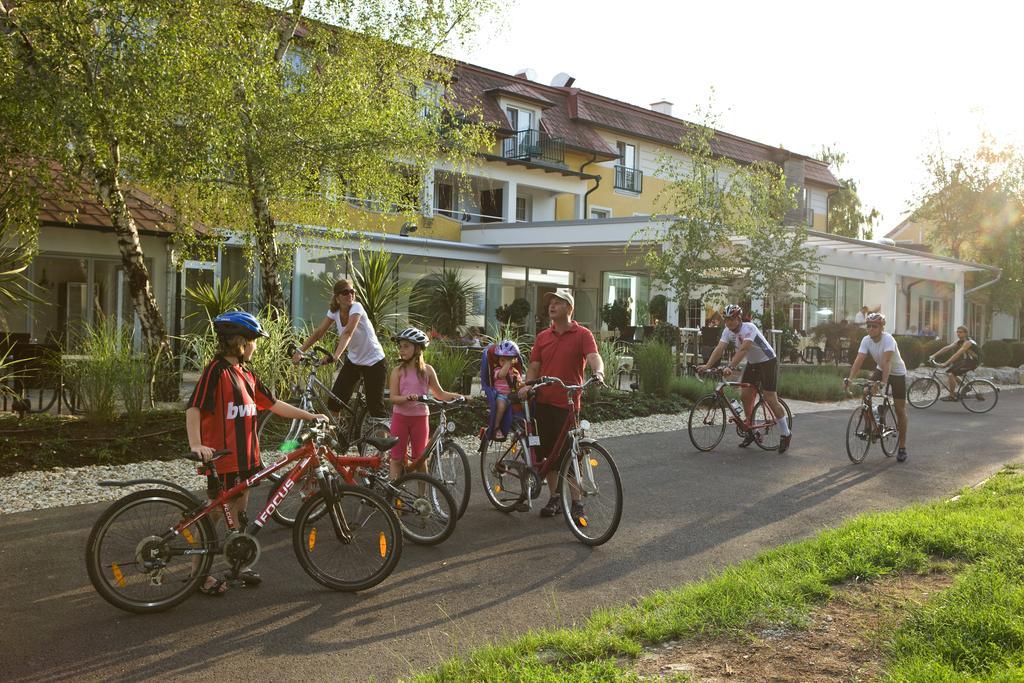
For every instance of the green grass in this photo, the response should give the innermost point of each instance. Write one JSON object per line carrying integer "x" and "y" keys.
{"x": 972, "y": 631}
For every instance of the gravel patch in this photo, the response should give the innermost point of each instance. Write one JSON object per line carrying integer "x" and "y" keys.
{"x": 73, "y": 486}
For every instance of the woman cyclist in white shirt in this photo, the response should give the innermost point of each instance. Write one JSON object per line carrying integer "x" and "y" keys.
{"x": 365, "y": 354}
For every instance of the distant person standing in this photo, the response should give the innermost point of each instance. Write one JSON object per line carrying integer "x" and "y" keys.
{"x": 862, "y": 315}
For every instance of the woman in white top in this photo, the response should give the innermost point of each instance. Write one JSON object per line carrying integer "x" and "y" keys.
{"x": 365, "y": 354}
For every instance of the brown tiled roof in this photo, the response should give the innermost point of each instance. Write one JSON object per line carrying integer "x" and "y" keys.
{"x": 474, "y": 87}
{"x": 74, "y": 204}
{"x": 576, "y": 113}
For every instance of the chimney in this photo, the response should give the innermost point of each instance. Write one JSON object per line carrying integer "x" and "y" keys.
{"x": 662, "y": 107}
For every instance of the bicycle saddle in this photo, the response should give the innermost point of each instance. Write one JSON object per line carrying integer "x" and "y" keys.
{"x": 381, "y": 443}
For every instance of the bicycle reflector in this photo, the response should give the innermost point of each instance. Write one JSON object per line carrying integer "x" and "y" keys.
{"x": 311, "y": 541}
{"x": 118, "y": 576}
{"x": 290, "y": 445}
{"x": 383, "y": 545}
{"x": 188, "y": 536}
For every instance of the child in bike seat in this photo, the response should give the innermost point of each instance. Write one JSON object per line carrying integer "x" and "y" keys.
{"x": 505, "y": 380}
{"x": 410, "y": 420}
{"x": 222, "y": 415}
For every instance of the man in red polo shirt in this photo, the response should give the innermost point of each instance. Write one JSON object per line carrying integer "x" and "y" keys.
{"x": 562, "y": 351}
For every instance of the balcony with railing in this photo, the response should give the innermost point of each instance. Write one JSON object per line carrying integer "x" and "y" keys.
{"x": 629, "y": 179}
{"x": 534, "y": 145}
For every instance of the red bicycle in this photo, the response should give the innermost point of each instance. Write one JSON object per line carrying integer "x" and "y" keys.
{"x": 588, "y": 480}
{"x": 150, "y": 550}
{"x": 708, "y": 420}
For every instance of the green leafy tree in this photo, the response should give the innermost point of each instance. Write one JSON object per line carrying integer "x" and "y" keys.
{"x": 974, "y": 203}
{"x": 85, "y": 87}
{"x": 725, "y": 225}
{"x": 299, "y": 106}
{"x": 847, "y": 215}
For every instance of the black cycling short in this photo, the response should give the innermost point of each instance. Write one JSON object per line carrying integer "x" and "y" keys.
{"x": 897, "y": 382}
{"x": 550, "y": 421}
{"x": 962, "y": 366}
{"x": 764, "y": 374}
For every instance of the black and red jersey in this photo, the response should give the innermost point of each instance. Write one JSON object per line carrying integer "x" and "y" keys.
{"x": 229, "y": 398}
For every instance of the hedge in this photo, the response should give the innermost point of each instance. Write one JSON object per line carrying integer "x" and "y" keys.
{"x": 1017, "y": 354}
{"x": 996, "y": 354}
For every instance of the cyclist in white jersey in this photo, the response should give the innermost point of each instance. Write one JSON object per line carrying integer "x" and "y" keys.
{"x": 762, "y": 369}
{"x": 891, "y": 371}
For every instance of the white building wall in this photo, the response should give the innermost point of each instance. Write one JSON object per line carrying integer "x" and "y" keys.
{"x": 818, "y": 200}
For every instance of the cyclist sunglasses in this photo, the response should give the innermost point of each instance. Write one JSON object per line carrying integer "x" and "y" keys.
{"x": 346, "y": 292}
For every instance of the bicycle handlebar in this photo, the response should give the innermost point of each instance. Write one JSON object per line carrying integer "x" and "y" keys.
{"x": 431, "y": 401}
{"x": 310, "y": 355}
{"x": 196, "y": 458}
{"x": 573, "y": 388}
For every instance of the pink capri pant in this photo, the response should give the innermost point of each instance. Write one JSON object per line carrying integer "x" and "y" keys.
{"x": 409, "y": 429}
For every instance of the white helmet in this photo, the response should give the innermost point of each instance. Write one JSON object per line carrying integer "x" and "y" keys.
{"x": 732, "y": 310}
{"x": 875, "y": 318}
{"x": 413, "y": 335}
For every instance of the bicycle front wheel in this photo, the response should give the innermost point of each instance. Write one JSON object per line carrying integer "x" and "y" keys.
{"x": 451, "y": 468}
{"x": 273, "y": 435}
{"x": 858, "y": 435}
{"x": 888, "y": 428}
{"x": 707, "y": 423}
{"x": 425, "y": 508}
{"x": 348, "y": 541}
{"x": 923, "y": 392}
{"x": 504, "y": 473}
{"x": 130, "y": 563}
{"x": 591, "y": 493}
{"x": 979, "y": 396}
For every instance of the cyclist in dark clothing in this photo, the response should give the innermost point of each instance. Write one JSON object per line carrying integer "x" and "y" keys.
{"x": 966, "y": 356}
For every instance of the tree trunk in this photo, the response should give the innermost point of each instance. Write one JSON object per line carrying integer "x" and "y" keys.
{"x": 163, "y": 379}
{"x": 263, "y": 239}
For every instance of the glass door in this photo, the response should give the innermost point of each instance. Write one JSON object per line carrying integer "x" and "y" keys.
{"x": 195, "y": 274}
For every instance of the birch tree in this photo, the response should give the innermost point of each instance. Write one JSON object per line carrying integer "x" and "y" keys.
{"x": 300, "y": 106}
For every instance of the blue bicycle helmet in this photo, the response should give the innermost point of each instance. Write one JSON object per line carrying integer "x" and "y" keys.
{"x": 508, "y": 349}
{"x": 238, "y": 322}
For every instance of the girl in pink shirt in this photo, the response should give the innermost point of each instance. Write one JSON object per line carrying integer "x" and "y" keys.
{"x": 410, "y": 420}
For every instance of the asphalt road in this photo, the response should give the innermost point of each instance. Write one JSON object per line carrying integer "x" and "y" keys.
{"x": 686, "y": 514}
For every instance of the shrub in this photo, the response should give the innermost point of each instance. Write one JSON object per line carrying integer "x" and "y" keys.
{"x": 665, "y": 333}
{"x": 1017, "y": 354}
{"x": 812, "y": 386}
{"x": 912, "y": 350}
{"x": 655, "y": 365}
{"x": 108, "y": 371}
{"x": 996, "y": 354}
{"x": 617, "y": 314}
{"x": 689, "y": 387}
{"x": 450, "y": 364}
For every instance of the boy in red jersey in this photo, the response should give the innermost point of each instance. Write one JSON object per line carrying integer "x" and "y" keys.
{"x": 222, "y": 415}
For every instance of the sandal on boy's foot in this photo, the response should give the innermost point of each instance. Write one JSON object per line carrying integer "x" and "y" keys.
{"x": 552, "y": 508}
{"x": 499, "y": 436}
{"x": 217, "y": 589}
{"x": 901, "y": 455}
{"x": 578, "y": 514}
{"x": 747, "y": 440}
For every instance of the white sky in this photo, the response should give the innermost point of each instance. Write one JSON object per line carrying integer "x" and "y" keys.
{"x": 882, "y": 81}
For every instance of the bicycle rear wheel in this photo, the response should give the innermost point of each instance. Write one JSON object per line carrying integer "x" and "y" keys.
{"x": 425, "y": 508}
{"x": 858, "y": 435}
{"x": 451, "y": 467}
{"x": 923, "y": 392}
{"x": 979, "y": 396}
{"x": 129, "y": 563}
{"x": 591, "y": 493}
{"x": 706, "y": 425}
{"x": 504, "y": 473}
{"x": 888, "y": 427}
{"x": 768, "y": 434}
{"x": 348, "y": 541}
